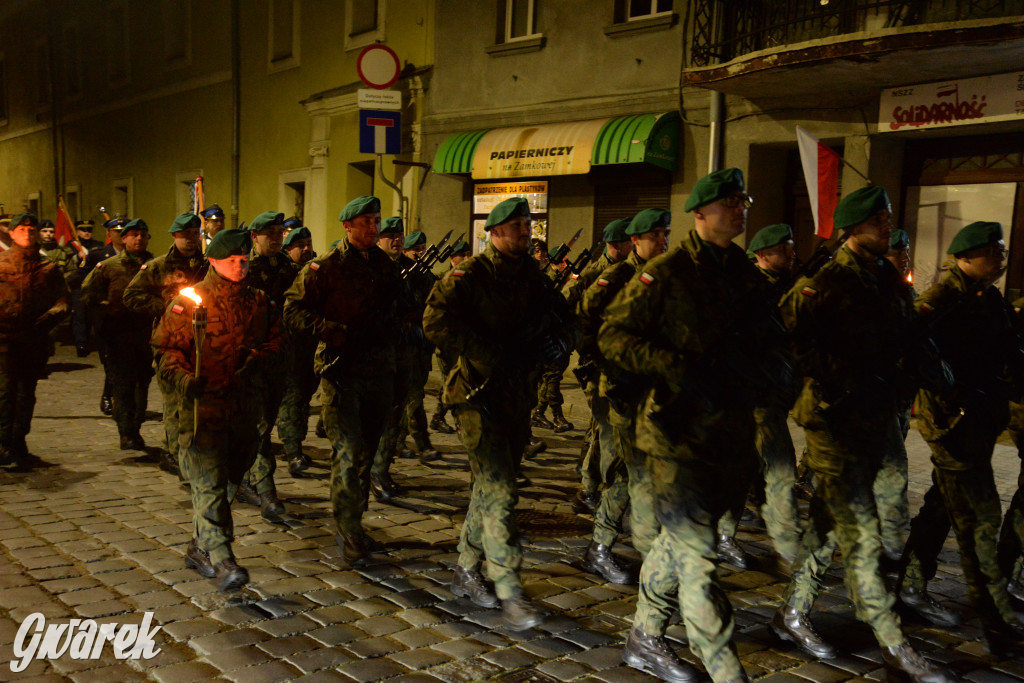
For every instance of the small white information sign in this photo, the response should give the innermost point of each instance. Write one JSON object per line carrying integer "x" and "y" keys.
{"x": 390, "y": 100}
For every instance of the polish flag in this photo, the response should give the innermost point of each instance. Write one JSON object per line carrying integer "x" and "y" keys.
{"x": 64, "y": 228}
{"x": 821, "y": 172}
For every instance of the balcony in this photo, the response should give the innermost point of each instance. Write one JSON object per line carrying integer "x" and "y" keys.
{"x": 750, "y": 47}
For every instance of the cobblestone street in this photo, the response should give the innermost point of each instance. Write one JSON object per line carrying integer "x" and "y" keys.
{"x": 100, "y": 533}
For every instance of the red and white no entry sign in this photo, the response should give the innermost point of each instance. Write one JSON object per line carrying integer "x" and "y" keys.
{"x": 378, "y": 66}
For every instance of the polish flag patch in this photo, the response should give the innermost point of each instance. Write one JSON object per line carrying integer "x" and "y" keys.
{"x": 809, "y": 291}
{"x": 574, "y": 276}
{"x": 458, "y": 273}
{"x": 927, "y": 308}
{"x": 646, "y": 278}
{"x": 314, "y": 266}
{"x": 602, "y": 282}
{"x": 178, "y": 308}
{"x": 142, "y": 267}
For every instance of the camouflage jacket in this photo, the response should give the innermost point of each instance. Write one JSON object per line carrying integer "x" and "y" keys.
{"x": 977, "y": 332}
{"x": 161, "y": 279}
{"x": 578, "y": 283}
{"x": 63, "y": 256}
{"x": 33, "y": 298}
{"x": 778, "y": 283}
{"x": 356, "y": 307}
{"x": 103, "y": 291}
{"x": 272, "y": 275}
{"x": 848, "y": 325}
{"x": 240, "y": 332}
{"x": 95, "y": 256}
{"x": 492, "y": 312}
{"x": 697, "y": 322}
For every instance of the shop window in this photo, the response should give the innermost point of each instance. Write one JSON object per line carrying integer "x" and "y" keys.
{"x": 284, "y": 35}
{"x": 488, "y": 195}
{"x": 117, "y": 44}
{"x": 640, "y": 16}
{"x": 365, "y": 22}
{"x": 177, "y": 24}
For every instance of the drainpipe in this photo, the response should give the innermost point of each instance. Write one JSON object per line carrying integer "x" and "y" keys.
{"x": 403, "y": 201}
{"x": 717, "y": 116}
{"x": 236, "y": 107}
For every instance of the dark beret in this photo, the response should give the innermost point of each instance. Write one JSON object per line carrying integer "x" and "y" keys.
{"x": 46, "y": 223}
{"x": 358, "y": 206}
{"x": 513, "y": 207}
{"x": 137, "y": 224}
{"x": 460, "y": 247}
{"x": 648, "y": 220}
{"x": 860, "y": 205}
{"x": 392, "y": 224}
{"x": 184, "y": 222}
{"x": 265, "y": 220}
{"x": 715, "y": 186}
{"x": 977, "y": 234}
{"x": 230, "y": 242}
{"x": 770, "y": 236}
{"x": 615, "y": 231}
{"x": 414, "y": 239}
{"x": 25, "y": 218}
{"x": 297, "y": 234}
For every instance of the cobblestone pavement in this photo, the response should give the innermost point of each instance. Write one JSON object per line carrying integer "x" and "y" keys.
{"x": 100, "y": 533}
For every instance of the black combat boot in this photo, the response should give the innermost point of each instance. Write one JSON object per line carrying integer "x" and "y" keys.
{"x": 903, "y": 663}
{"x": 354, "y": 548}
{"x": 439, "y": 425}
{"x": 271, "y": 507}
{"x": 599, "y": 560}
{"x": 230, "y": 577}
{"x": 730, "y": 552}
{"x": 298, "y": 463}
{"x": 918, "y": 601}
{"x": 559, "y": 423}
{"x": 1004, "y": 640}
{"x": 521, "y": 614}
{"x": 794, "y": 626}
{"x": 585, "y": 502}
{"x": 537, "y": 418}
{"x": 654, "y": 655}
{"x": 383, "y": 487}
{"x": 533, "y": 447}
{"x": 469, "y": 583}
{"x": 247, "y": 494}
{"x": 198, "y": 559}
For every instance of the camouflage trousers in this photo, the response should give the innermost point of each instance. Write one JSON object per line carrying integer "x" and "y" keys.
{"x": 967, "y": 501}
{"x": 261, "y": 475}
{"x": 628, "y": 484}
{"x": 590, "y": 459}
{"x": 20, "y": 370}
{"x": 355, "y": 410}
{"x": 1011, "y": 535}
{"x": 392, "y": 438}
{"x": 890, "y": 489}
{"x": 130, "y": 370}
{"x": 843, "y": 513}
{"x": 172, "y": 405}
{"x": 293, "y": 415}
{"x": 549, "y": 388}
{"x": 690, "y": 498}
{"x": 214, "y": 461}
{"x": 778, "y": 476}
{"x": 489, "y": 533}
{"x": 414, "y": 416}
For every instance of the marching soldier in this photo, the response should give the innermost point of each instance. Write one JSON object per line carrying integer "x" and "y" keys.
{"x": 460, "y": 252}
{"x": 218, "y": 408}
{"x": 848, "y": 326}
{"x": 125, "y": 334}
{"x": 301, "y": 383}
{"x": 697, "y": 323}
{"x": 271, "y": 272}
{"x": 502, "y": 319}
{"x": 61, "y": 255}
{"x": 978, "y": 332}
{"x": 33, "y": 300}
{"x": 353, "y": 299}
{"x": 149, "y": 292}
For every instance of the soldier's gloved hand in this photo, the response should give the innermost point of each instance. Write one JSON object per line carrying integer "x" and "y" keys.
{"x": 193, "y": 388}
{"x": 552, "y": 349}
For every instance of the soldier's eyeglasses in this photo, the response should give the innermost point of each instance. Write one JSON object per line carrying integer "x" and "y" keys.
{"x": 734, "y": 201}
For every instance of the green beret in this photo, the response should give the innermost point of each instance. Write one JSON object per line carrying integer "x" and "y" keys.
{"x": 552, "y": 252}
{"x": 333, "y": 244}
{"x": 414, "y": 239}
{"x": 770, "y": 236}
{"x": 297, "y": 234}
{"x": 899, "y": 239}
{"x": 717, "y": 185}
{"x": 184, "y": 222}
{"x": 137, "y": 224}
{"x": 230, "y": 242}
{"x": 615, "y": 231}
{"x": 358, "y": 206}
{"x": 513, "y": 207}
{"x": 460, "y": 247}
{"x": 25, "y": 218}
{"x": 392, "y": 224}
{"x": 265, "y": 220}
{"x": 860, "y": 205}
{"x": 977, "y": 234}
{"x": 648, "y": 220}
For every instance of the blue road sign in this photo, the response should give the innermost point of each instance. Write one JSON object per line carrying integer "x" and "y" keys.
{"x": 380, "y": 132}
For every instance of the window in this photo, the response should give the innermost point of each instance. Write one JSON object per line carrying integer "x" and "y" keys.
{"x": 643, "y": 9}
{"x": 122, "y": 201}
{"x": 117, "y": 44}
{"x": 72, "y": 200}
{"x": 34, "y": 204}
{"x": 43, "y": 83}
{"x": 364, "y": 20}
{"x": 72, "y": 62}
{"x": 177, "y": 24}
{"x": 284, "y": 34}
{"x": 516, "y": 21}
{"x": 185, "y": 189}
{"x": 3, "y": 92}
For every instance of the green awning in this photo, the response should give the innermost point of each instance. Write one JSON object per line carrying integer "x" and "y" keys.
{"x": 554, "y": 149}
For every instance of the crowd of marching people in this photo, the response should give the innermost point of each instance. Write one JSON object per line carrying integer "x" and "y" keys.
{"x": 692, "y": 353}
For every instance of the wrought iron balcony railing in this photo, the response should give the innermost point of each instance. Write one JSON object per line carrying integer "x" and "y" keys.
{"x": 726, "y": 29}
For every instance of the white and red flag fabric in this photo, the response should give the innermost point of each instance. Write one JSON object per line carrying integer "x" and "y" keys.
{"x": 821, "y": 172}
{"x": 64, "y": 227}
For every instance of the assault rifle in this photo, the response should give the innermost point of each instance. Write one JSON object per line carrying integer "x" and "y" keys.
{"x": 562, "y": 251}
{"x": 576, "y": 266}
{"x": 432, "y": 255}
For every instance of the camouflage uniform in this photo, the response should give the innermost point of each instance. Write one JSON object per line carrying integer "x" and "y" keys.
{"x": 63, "y": 256}
{"x": 149, "y": 292}
{"x": 241, "y": 340}
{"x": 356, "y": 306}
{"x": 549, "y": 385}
{"x": 680, "y": 322}
{"x": 615, "y": 397}
{"x": 1011, "y": 535}
{"x": 848, "y": 324}
{"x": 975, "y": 334}
{"x": 272, "y": 275}
{"x": 483, "y": 311}
{"x": 300, "y": 385}
{"x": 126, "y": 334}
{"x": 33, "y": 300}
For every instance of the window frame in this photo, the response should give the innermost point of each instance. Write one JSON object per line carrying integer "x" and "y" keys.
{"x": 531, "y": 22}
{"x": 627, "y": 15}
{"x": 356, "y": 41}
{"x": 293, "y": 60}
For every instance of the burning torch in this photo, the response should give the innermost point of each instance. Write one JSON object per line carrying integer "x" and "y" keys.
{"x": 199, "y": 333}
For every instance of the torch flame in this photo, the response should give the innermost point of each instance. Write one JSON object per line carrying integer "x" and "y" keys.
{"x": 190, "y": 292}
{"x": 910, "y": 276}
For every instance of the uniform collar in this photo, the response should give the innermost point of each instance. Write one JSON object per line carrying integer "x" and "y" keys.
{"x": 506, "y": 264}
